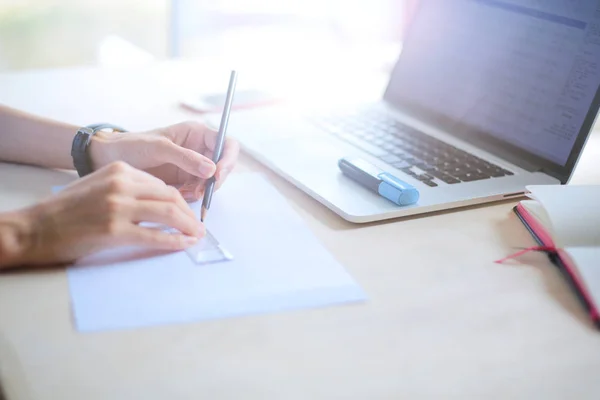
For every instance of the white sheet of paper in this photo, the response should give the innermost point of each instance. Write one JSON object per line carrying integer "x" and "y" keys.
{"x": 278, "y": 265}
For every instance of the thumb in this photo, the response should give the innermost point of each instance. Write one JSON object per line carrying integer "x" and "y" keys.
{"x": 188, "y": 160}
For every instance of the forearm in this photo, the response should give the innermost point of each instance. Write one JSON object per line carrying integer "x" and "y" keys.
{"x": 28, "y": 139}
{"x": 15, "y": 235}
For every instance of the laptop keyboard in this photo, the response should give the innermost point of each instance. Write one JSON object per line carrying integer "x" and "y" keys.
{"x": 419, "y": 155}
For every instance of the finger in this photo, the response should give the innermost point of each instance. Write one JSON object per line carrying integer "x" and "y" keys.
{"x": 231, "y": 148}
{"x": 230, "y": 155}
{"x": 144, "y": 191}
{"x": 141, "y": 185}
{"x": 210, "y": 138}
{"x": 220, "y": 182}
{"x": 188, "y": 160}
{"x": 144, "y": 177}
{"x": 140, "y": 236}
{"x": 167, "y": 214}
{"x": 125, "y": 170}
{"x": 193, "y": 191}
{"x": 104, "y": 172}
{"x": 209, "y": 154}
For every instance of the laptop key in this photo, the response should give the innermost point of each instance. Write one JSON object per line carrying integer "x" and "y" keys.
{"x": 454, "y": 170}
{"x": 471, "y": 176}
{"x": 411, "y": 160}
{"x": 423, "y": 165}
{"x": 430, "y": 183}
{"x": 390, "y": 159}
{"x": 366, "y": 146}
{"x": 448, "y": 179}
{"x": 408, "y": 171}
{"x": 441, "y": 175}
{"x": 401, "y": 165}
{"x": 418, "y": 154}
{"x": 443, "y": 163}
{"x": 397, "y": 142}
{"x": 425, "y": 177}
{"x": 495, "y": 173}
{"x": 402, "y": 155}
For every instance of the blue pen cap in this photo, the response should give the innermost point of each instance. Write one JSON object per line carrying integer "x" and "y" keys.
{"x": 396, "y": 190}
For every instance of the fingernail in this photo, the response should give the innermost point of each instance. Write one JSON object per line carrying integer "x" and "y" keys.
{"x": 188, "y": 196}
{"x": 207, "y": 168}
{"x": 189, "y": 240}
{"x": 201, "y": 231}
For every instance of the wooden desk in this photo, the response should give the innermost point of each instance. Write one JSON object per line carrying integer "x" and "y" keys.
{"x": 442, "y": 321}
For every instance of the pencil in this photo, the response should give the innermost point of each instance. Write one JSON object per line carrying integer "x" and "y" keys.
{"x": 218, "y": 151}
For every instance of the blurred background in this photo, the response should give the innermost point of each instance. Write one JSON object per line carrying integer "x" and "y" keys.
{"x": 278, "y": 33}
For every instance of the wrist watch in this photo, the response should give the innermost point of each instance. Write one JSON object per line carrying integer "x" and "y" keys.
{"x": 81, "y": 143}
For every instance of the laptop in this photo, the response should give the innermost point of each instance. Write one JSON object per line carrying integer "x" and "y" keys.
{"x": 486, "y": 97}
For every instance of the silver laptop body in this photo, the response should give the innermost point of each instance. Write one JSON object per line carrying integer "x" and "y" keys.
{"x": 486, "y": 98}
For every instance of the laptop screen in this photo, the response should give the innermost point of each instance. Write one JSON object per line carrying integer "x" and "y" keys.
{"x": 522, "y": 71}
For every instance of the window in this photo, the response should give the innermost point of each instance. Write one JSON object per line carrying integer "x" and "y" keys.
{"x": 284, "y": 33}
{"x": 58, "y": 33}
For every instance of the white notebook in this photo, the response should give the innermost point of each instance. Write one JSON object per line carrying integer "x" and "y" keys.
{"x": 566, "y": 220}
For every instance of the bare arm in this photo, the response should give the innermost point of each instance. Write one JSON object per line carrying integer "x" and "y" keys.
{"x": 63, "y": 227}
{"x": 28, "y": 139}
{"x": 15, "y": 230}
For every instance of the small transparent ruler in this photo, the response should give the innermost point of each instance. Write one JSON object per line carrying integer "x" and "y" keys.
{"x": 208, "y": 250}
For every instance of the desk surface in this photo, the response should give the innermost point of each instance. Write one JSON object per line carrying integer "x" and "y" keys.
{"x": 443, "y": 321}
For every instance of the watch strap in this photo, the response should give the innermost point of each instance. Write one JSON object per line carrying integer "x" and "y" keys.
{"x": 81, "y": 143}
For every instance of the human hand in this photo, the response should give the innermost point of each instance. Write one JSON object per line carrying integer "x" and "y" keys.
{"x": 103, "y": 210}
{"x": 179, "y": 154}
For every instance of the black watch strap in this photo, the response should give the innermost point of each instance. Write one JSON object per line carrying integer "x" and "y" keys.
{"x": 81, "y": 143}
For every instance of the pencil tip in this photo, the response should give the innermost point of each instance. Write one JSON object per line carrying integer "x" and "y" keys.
{"x": 202, "y": 214}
